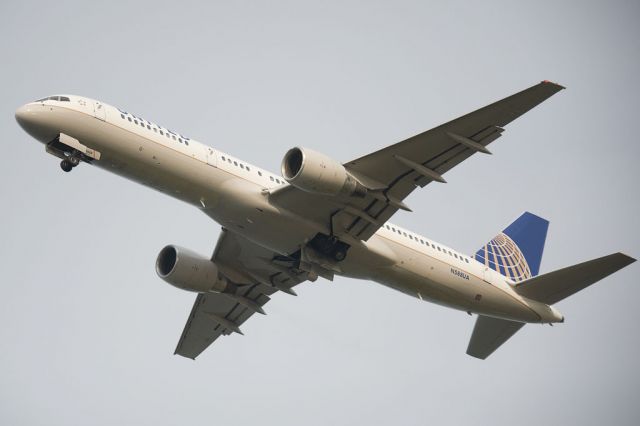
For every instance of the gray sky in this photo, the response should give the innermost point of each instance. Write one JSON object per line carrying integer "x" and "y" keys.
{"x": 89, "y": 330}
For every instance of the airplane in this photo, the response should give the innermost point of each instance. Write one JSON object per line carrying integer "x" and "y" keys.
{"x": 322, "y": 219}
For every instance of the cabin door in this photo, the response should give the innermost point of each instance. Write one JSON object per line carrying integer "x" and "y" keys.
{"x": 99, "y": 110}
{"x": 211, "y": 156}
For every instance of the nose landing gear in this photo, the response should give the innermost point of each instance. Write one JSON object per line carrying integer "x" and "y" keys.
{"x": 69, "y": 163}
{"x": 66, "y": 165}
{"x": 71, "y": 152}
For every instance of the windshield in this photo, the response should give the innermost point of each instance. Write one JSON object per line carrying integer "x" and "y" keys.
{"x": 54, "y": 98}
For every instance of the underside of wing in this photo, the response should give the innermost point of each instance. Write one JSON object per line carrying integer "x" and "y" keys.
{"x": 392, "y": 173}
{"x": 256, "y": 273}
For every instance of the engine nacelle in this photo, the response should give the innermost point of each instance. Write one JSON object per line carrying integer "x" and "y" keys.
{"x": 189, "y": 271}
{"x": 314, "y": 172}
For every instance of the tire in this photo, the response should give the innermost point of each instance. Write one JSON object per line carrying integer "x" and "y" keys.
{"x": 66, "y": 165}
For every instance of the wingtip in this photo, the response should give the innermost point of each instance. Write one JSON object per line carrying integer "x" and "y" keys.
{"x": 628, "y": 258}
{"x": 472, "y": 354}
{"x": 185, "y": 356}
{"x": 559, "y": 86}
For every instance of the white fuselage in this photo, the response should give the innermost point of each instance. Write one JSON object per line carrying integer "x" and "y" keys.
{"x": 236, "y": 195}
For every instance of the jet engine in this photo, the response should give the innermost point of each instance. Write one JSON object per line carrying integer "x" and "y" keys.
{"x": 314, "y": 172}
{"x": 189, "y": 271}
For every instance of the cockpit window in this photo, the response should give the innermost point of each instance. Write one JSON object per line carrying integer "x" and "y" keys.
{"x": 54, "y": 98}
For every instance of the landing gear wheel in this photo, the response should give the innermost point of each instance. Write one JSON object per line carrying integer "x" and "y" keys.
{"x": 73, "y": 160}
{"x": 340, "y": 255}
{"x": 66, "y": 165}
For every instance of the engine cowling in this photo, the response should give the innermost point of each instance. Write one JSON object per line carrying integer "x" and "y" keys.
{"x": 189, "y": 271}
{"x": 314, "y": 172}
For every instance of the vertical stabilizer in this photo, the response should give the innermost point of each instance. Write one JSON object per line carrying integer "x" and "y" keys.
{"x": 517, "y": 251}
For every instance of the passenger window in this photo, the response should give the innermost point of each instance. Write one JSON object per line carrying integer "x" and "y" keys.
{"x": 259, "y": 173}
{"x": 235, "y": 163}
{"x": 271, "y": 177}
{"x": 122, "y": 116}
{"x": 173, "y": 137}
{"x": 129, "y": 118}
{"x": 186, "y": 143}
{"x": 439, "y": 248}
{"x": 223, "y": 158}
{"x": 136, "y": 123}
{"x": 248, "y": 169}
{"x": 155, "y": 130}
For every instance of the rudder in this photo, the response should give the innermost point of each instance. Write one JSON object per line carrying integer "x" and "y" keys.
{"x": 516, "y": 252}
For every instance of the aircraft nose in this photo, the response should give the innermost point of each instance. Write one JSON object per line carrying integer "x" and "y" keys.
{"x": 22, "y": 115}
{"x": 32, "y": 120}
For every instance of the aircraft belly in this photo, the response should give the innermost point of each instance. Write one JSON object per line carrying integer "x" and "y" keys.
{"x": 243, "y": 208}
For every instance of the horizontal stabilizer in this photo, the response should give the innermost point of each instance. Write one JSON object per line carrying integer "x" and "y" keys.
{"x": 557, "y": 285}
{"x": 489, "y": 334}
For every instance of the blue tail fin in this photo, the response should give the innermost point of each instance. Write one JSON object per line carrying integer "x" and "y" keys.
{"x": 516, "y": 252}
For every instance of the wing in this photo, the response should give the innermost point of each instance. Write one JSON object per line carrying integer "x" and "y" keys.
{"x": 256, "y": 271}
{"x": 392, "y": 173}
